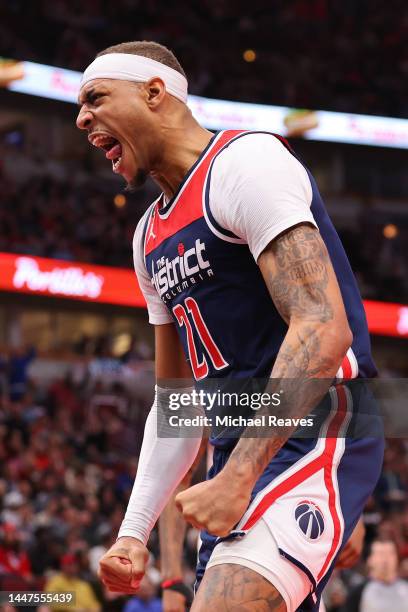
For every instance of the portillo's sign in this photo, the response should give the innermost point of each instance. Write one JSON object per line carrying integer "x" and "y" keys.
{"x": 72, "y": 280}
{"x": 119, "y": 286}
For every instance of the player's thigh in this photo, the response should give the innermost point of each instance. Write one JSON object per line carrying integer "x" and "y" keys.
{"x": 235, "y": 588}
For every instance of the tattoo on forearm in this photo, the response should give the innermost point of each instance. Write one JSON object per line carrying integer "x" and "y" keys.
{"x": 303, "y": 374}
{"x": 299, "y": 278}
{"x": 303, "y": 359}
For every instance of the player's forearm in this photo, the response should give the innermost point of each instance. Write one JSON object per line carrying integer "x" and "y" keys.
{"x": 307, "y": 362}
{"x": 163, "y": 463}
{"x": 172, "y": 529}
{"x": 172, "y": 526}
{"x": 303, "y": 286}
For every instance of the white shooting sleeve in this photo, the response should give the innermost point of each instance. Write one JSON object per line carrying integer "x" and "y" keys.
{"x": 163, "y": 463}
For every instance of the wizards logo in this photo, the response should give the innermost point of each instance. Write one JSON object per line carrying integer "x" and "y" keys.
{"x": 309, "y": 519}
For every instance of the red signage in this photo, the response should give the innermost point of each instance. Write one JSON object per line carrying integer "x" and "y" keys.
{"x": 73, "y": 280}
{"x": 386, "y": 319}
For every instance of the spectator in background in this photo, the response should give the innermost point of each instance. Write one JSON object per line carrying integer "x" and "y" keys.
{"x": 334, "y": 595}
{"x": 45, "y": 551}
{"x": 13, "y": 560}
{"x": 19, "y": 361}
{"x": 383, "y": 590}
{"x": 67, "y": 580}
{"x": 12, "y": 503}
{"x": 96, "y": 552}
{"x": 391, "y": 490}
{"x": 146, "y": 599}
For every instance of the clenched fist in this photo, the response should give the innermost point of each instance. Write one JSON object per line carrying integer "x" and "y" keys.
{"x": 215, "y": 505}
{"x": 123, "y": 566}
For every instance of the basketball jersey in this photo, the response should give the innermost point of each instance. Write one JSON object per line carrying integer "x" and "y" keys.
{"x": 213, "y": 289}
{"x": 201, "y": 273}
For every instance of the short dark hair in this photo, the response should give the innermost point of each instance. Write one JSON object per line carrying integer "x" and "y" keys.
{"x": 383, "y": 539}
{"x": 149, "y": 49}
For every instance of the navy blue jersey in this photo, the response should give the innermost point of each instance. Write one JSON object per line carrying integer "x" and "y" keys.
{"x": 214, "y": 290}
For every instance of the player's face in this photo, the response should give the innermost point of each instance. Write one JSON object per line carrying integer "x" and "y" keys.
{"x": 118, "y": 121}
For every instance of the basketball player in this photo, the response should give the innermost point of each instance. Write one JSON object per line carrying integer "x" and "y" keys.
{"x": 244, "y": 276}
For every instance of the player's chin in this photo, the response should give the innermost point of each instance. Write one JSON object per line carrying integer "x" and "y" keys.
{"x": 137, "y": 180}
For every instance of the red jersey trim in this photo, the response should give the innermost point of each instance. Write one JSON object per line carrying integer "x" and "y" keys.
{"x": 187, "y": 205}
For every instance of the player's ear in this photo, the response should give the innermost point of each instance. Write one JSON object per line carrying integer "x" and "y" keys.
{"x": 156, "y": 90}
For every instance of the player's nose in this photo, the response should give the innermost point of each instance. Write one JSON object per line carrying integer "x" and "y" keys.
{"x": 84, "y": 119}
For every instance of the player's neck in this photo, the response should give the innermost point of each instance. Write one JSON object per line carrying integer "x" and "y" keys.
{"x": 183, "y": 146}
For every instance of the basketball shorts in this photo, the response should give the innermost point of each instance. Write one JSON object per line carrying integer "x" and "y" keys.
{"x": 303, "y": 508}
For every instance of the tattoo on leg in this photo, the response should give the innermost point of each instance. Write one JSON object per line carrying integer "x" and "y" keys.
{"x": 234, "y": 588}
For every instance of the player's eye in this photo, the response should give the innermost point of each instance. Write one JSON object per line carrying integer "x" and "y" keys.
{"x": 94, "y": 97}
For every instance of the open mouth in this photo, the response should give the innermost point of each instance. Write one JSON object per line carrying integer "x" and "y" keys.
{"x": 112, "y": 148}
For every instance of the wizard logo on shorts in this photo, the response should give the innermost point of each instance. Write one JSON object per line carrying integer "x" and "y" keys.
{"x": 309, "y": 519}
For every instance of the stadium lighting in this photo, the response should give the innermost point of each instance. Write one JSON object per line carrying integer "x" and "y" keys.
{"x": 390, "y": 231}
{"x": 119, "y": 200}
{"x": 61, "y": 84}
{"x": 249, "y": 55}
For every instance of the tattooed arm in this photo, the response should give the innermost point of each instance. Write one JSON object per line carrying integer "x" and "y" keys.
{"x": 303, "y": 286}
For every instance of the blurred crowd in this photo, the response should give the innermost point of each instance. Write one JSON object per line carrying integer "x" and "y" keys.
{"x": 68, "y": 457}
{"x": 380, "y": 263}
{"x": 50, "y": 216}
{"x": 345, "y": 56}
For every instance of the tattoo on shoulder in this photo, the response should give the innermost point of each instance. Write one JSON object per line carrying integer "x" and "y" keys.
{"x": 298, "y": 280}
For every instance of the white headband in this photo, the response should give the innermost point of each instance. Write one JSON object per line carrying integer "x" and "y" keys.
{"x": 129, "y": 67}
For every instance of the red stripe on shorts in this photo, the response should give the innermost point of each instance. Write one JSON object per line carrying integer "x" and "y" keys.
{"x": 331, "y": 444}
{"x": 323, "y": 461}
